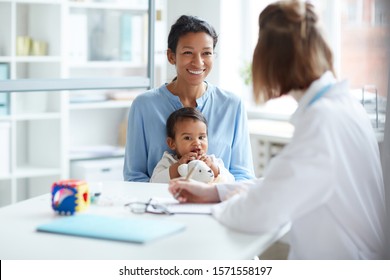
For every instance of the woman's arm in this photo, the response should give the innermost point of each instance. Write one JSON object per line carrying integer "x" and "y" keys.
{"x": 241, "y": 166}
{"x": 135, "y": 164}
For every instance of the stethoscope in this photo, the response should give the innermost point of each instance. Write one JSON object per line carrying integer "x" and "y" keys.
{"x": 319, "y": 94}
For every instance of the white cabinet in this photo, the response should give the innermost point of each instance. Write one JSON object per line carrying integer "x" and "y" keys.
{"x": 49, "y": 124}
{"x": 5, "y": 148}
{"x": 268, "y": 138}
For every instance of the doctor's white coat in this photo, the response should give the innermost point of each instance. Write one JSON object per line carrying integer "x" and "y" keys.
{"x": 327, "y": 182}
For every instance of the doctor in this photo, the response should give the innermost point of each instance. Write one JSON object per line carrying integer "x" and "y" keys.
{"x": 327, "y": 181}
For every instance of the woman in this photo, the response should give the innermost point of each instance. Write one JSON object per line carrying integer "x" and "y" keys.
{"x": 327, "y": 182}
{"x": 191, "y": 44}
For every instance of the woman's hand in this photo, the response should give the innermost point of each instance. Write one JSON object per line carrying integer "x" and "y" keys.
{"x": 193, "y": 191}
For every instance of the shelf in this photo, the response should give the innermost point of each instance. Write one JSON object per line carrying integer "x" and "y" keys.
{"x": 53, "y": 2}
{"x": 5, "y": 176}
{"x": 6, "y": 59}
{"x": 100, "y": 105}
{"x": 28, "y": 85}
{"x": 57, "y": 51}
{"x": 105, "y": 64}
{"x": 30, "y": 171}
{"x": 36, "y": 116}
{"x": 272, "y": 131}
{"x": 96, "y": 152}
{"x": 5, "y": 118}
{"x": 87, "y": 156}
{"x": 35, "y": 59}
{"x": 123, "y": 5}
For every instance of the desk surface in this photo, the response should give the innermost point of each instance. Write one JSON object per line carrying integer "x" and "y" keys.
{"x": 204, "y": 237}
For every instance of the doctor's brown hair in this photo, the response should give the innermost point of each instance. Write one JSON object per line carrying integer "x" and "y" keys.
{"x": 291, "y": 52}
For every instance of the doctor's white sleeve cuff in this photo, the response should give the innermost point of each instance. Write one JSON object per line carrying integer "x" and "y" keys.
{"x": 227, "y": 190}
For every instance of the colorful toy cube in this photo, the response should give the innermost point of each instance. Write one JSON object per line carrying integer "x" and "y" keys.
{"x": 69, "y": 196}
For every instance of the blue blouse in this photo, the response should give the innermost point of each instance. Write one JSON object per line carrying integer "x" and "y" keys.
{"x": 228, "y": 134}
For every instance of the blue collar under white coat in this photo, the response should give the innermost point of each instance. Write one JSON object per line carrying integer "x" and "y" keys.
{"x": 316, "y": 90}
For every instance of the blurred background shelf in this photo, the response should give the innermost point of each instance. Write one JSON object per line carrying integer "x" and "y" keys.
{"x": 78, "y": 65}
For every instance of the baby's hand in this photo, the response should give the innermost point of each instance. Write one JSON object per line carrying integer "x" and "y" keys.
{"x": 209, "y": 162}
{"x": 188, "y": 157}
{"x": 206, "y": 159}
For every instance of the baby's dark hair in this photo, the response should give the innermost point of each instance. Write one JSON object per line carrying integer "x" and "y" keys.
{"x": 186, "y": 24}
{"x": 182, "y": 114}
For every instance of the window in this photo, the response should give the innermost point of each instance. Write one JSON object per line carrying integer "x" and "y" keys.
{"x": 364, "y": 56}
{"x": 358, "y": 33}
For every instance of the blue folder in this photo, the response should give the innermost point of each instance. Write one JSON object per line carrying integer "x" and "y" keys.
{"x": 120, "y": 229}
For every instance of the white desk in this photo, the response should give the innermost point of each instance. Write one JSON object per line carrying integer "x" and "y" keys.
{"x": 204, "y": 238}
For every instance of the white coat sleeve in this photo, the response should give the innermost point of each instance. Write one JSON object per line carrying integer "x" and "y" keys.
{"x": 296, "y": 181}
{"x": 228, "y": 190}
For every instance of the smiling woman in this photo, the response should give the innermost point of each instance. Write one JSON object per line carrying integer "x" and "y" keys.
{"x": 193, "y": 59}
{"x": 191, "y": 44}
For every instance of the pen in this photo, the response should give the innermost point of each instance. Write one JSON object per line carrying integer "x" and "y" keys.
{"x": 188, "y": 177}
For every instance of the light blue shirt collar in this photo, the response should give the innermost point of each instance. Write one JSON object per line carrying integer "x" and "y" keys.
{"x": 318, "y": 86}
{"x": 176, "y": 100}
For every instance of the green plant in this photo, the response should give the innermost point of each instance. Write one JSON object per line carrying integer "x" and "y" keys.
{"x": 246, "y": 73}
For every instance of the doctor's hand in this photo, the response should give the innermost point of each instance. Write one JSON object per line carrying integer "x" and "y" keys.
{"x": 193, "y": 191}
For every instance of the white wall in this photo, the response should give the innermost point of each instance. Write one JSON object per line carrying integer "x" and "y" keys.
{"x": 236, "y": 44}
{"x": 208, "y": 10}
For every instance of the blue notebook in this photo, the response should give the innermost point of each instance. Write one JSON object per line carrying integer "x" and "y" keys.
{"x": 120, "y": 229}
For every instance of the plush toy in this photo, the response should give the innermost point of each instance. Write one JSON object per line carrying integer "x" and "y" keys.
{"x": 202, "y": 171}
{"x": 69, "y": 196}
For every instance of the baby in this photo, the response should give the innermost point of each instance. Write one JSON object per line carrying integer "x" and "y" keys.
{"x": 187, "y": 138}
